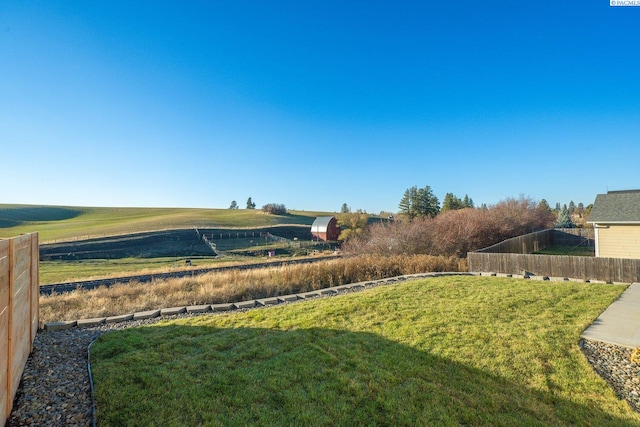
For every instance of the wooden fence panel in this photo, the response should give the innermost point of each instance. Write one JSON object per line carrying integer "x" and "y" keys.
{"x": 5, "y": 402}
{"x": 19, "y": 314}
{"x": 20, "y": 318}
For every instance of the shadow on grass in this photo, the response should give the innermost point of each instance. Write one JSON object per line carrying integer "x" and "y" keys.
{"x": 14, "y": 216}
{"x": 201, "y": 375}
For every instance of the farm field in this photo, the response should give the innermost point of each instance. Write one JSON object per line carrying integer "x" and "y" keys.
{"x": 54, "y": 223}
{"x": 79, "y": 243}
{"x": 168, "y": 250}
{"x": 441, "y": 351}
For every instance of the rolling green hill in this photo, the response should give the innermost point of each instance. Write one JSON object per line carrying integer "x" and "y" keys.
{"x": 71, "y": 222}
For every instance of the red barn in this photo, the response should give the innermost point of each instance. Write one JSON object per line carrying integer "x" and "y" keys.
{"x": 325, "y": 228}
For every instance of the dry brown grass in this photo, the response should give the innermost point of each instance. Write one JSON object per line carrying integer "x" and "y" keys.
{"x": 236, "y": 285}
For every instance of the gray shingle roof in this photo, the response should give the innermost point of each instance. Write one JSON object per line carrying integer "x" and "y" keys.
{"x": 616, "y": 206}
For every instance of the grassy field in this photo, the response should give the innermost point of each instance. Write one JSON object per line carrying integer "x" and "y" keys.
{"x": 64, "y": 223}
{"x": 442, "y": 351}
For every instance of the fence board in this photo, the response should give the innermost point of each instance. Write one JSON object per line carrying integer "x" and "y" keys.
{"x": 34, "y": 296}
{"x": 5, "y": 403}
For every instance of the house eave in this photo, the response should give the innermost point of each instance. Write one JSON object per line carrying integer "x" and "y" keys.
{"x": 596, "y": 223}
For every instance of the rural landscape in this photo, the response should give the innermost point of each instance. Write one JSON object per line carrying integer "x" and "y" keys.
{"x": 422, "y": 344}
{"x": 251, "y": 213}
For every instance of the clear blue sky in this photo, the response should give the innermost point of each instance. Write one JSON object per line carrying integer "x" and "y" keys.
{"x": 316, "y": 103}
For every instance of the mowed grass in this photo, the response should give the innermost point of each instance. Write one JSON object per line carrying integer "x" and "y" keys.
{"x": 62, "y": 223}
{"x": 441, "y": 351}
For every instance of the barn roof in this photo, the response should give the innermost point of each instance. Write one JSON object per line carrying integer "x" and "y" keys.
{"x": 320, "y": 224}
{"x": 616, "y": 207}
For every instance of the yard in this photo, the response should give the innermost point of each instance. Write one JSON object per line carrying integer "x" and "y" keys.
{"x": 445, "y": 351}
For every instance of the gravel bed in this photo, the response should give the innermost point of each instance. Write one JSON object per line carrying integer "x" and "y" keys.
{"x": 613, "y": 364}
{"x": 55, "y": 388}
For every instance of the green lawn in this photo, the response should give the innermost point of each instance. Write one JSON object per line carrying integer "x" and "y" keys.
{"x": 442, "y": 351}
{"x": 56, "y": 223}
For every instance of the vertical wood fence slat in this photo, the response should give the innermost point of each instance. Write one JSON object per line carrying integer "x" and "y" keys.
{"x": 19, "y": 316}
{"x": 5, "y": 402}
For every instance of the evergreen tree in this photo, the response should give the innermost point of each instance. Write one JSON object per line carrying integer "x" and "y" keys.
{"x": 451, "y": 202}
{"x": 564, "y": 219}
{"x": 407, "y": 202}
{"x": 572, "y": 207}
{"x": 544, "y": 206}
{"x": 250, "y": 204}
{"x": 419, "y": 202}
{"x": 345, "y": 208}
{"x": 428, "y": 204}
{"x": 467, "y": 202}
{"x": 234, "y": 205}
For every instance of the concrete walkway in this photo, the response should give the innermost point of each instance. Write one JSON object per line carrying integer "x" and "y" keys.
{"x": 620, "y": 323}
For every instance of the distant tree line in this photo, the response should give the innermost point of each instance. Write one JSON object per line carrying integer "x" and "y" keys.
{"x": 421, "y": 202}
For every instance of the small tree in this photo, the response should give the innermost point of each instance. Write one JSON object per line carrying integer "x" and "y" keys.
{"x": 352, "y": 224}
{"x": 564, "y": 219}
{"x": 250, "y": 204}
{"x": 234, "y": 205}
{"x": 345, "y": 208}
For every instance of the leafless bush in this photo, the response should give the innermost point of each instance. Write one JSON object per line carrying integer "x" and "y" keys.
{"x": 453, "y": 233}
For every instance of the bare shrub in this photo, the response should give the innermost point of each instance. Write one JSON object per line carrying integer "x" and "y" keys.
{"x": 453, "y": 233}
{"x": 275, "y": 209}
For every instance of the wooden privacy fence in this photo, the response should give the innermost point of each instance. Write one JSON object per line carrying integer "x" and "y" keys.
{"x": 18, "y": 313}
{"x": 539, "y": 240}
{"x": 612, "y": 270}
{"x": 497, "y": 259}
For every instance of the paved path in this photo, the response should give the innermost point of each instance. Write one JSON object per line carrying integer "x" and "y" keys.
{"x": 620, "y": 323}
